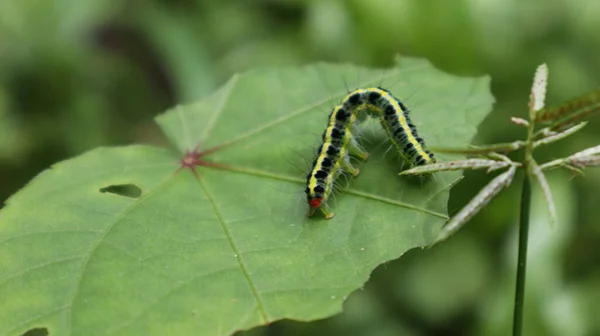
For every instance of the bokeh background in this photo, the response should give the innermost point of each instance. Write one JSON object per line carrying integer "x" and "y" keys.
{"x": 77, "y": 74}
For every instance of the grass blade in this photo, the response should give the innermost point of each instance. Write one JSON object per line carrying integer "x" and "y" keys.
{"x": 564, "y": 115}
{"x": 456, "y": 165}
{"x": 484, "y": 196}
{"x": 558, "y": 136}
{"x": 541, "y": 178}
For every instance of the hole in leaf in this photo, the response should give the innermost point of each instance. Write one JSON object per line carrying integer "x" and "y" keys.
{"x": 36, "y": 332}
{"x": 126, "y": 190}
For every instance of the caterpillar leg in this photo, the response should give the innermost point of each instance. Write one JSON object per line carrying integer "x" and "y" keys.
{"x": 356, "y": 150}
{"x": 324, "y": 209}
{"x": 346, "y": 166}
{"x": 327, "y": 212}
{"x": 369, "y": 110}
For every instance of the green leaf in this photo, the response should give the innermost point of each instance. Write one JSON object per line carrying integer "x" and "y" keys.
{"x": 119, "y": 241}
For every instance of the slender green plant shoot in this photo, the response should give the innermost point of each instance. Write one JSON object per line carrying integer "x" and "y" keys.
{"x": 557, "y": 124}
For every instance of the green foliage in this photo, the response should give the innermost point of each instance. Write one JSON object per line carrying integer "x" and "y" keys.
{"x": 120, "y": 241}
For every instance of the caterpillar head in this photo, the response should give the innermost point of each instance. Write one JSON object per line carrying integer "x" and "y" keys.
{"x": 314, "y": 196}
{"x": 315, "y": 202}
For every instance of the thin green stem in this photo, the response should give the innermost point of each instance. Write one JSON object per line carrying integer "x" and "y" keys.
{"x": 522, "y": 259}
{"x": 524, "y": 228}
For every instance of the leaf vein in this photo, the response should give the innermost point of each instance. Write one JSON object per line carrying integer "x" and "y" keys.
{"x": 304, "y": 110}
{"x": 237, "y": 253}
{"x": 36, "y": 318}
{"x": 154, "y": 303}
{"x": 25, "y": 235}
{"x": 90, "y": 177}
{"x": 260, "y": 173}
{"x": 186, "y": 132}
{"x": 213, "y": 121}
{"x": 27, "y": 270}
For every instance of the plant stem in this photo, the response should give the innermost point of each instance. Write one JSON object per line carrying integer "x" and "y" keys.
{"x": 522, "y": 258}
{"x": 524, "y": 227}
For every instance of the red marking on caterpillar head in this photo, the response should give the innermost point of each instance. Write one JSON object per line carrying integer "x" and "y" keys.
{"x": 315, "y": 202}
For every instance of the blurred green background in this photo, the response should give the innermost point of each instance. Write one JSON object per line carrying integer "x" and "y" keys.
{"x": 77, "y": 74}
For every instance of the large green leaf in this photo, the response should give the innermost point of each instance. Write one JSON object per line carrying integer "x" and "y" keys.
{"x": 119, "y": 242}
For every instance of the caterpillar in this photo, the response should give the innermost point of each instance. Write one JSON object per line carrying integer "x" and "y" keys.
{"x": 333, "y": 157}
{"x": 395, "y": 120}
{"x": 339, "y": 143}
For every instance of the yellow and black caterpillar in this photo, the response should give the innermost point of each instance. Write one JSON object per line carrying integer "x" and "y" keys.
{"x": 333, "y": 156}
